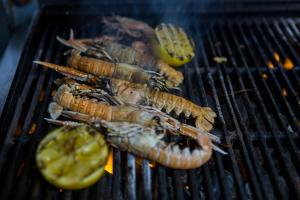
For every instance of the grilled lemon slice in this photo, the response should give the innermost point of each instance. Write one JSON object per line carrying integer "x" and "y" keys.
{"x": 72, "y": 158}
{"x": 172, "y": 45}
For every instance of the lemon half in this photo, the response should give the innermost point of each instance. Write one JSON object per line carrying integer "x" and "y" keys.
{"x": 171, "y": 44}
{"x": 72, "y": 158}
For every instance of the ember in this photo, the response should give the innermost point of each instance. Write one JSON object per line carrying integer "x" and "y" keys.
{"x": 283, "y": 92}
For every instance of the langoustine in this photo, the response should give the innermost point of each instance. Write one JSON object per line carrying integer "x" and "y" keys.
{"x": 139, "y": 94}
{"x": 146, "y": 142}
{"x": 125, "y": 54}
{"x": 115, "y": 70}
{"x": 147, "y": 116}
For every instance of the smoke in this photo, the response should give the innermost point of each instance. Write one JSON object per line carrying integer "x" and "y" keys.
{"x": 183, "y": 13}
{"x": 179, "y": 12}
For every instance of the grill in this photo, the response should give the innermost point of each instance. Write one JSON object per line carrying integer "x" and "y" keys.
{"x": 255, "y": 97}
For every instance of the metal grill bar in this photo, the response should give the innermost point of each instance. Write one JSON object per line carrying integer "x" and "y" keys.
{"x": 276, "y": 107}
{"x": 224, "y": 131}
{"x": 245, "y": 131}
{"x": 280, "y": 67}
{"x": 8, "y": 144}
{"x": 268, "y": 117}
{"x": 271, "y": 164}
{"x": 245, "y": 151}
{"x": 284, "y": 39}
{"x": 26, "y": 180}
{"x": 193, "y": 181}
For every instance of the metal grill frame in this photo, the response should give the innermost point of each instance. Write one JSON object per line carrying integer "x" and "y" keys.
{"x": 268, "y": 136}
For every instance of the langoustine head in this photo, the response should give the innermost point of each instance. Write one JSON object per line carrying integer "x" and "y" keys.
{"x": 128, "y": 26}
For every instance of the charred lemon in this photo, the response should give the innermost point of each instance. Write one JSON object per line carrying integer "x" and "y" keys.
{"x": 172, "y": 45}
{"x": 72, "y": 158}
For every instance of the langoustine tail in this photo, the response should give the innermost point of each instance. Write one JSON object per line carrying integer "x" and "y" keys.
{"x": 205, "y": 118}
{"x": 175, "y": 78}
{"x": 174, "y": 157}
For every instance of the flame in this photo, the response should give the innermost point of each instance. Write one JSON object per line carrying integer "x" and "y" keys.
{"x": 109, "y": 167}
{"x": 32, "y": 128}
{"x": 264, "y": 75}
{"x": 288, "y": 64}
{"x": 270, "y": 65}
{"x": 283, "y": 92}
{"x": 276, "y": 57}
{"x": 138, "y": 161}
{"x": 152, "y": 164}
{"x": 110, "y": 162}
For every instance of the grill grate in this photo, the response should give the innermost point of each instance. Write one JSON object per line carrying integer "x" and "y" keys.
{"x": 257, "y": 106}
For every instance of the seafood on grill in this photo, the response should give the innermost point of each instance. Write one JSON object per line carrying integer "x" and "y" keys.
{"x": 169, "y": 42}
{"x": 120, "y": 53}
{"x": 138, "y": 94}
{"x": 115, "y": 70}
{"x": 145, "y": 141}
{"x": 67, "y": 98}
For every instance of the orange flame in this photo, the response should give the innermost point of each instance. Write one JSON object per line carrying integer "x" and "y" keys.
{"x": 276, "y": 57}
{"x": 270, "y": 65}
{"x": 109, "y": 167}
{"x": 32, "y": 128}
{"x": 288, "y": 64}
{"x": 138, "y": 161}
{"x": 152, "y": 164}
{"x": 110, "y": 162}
